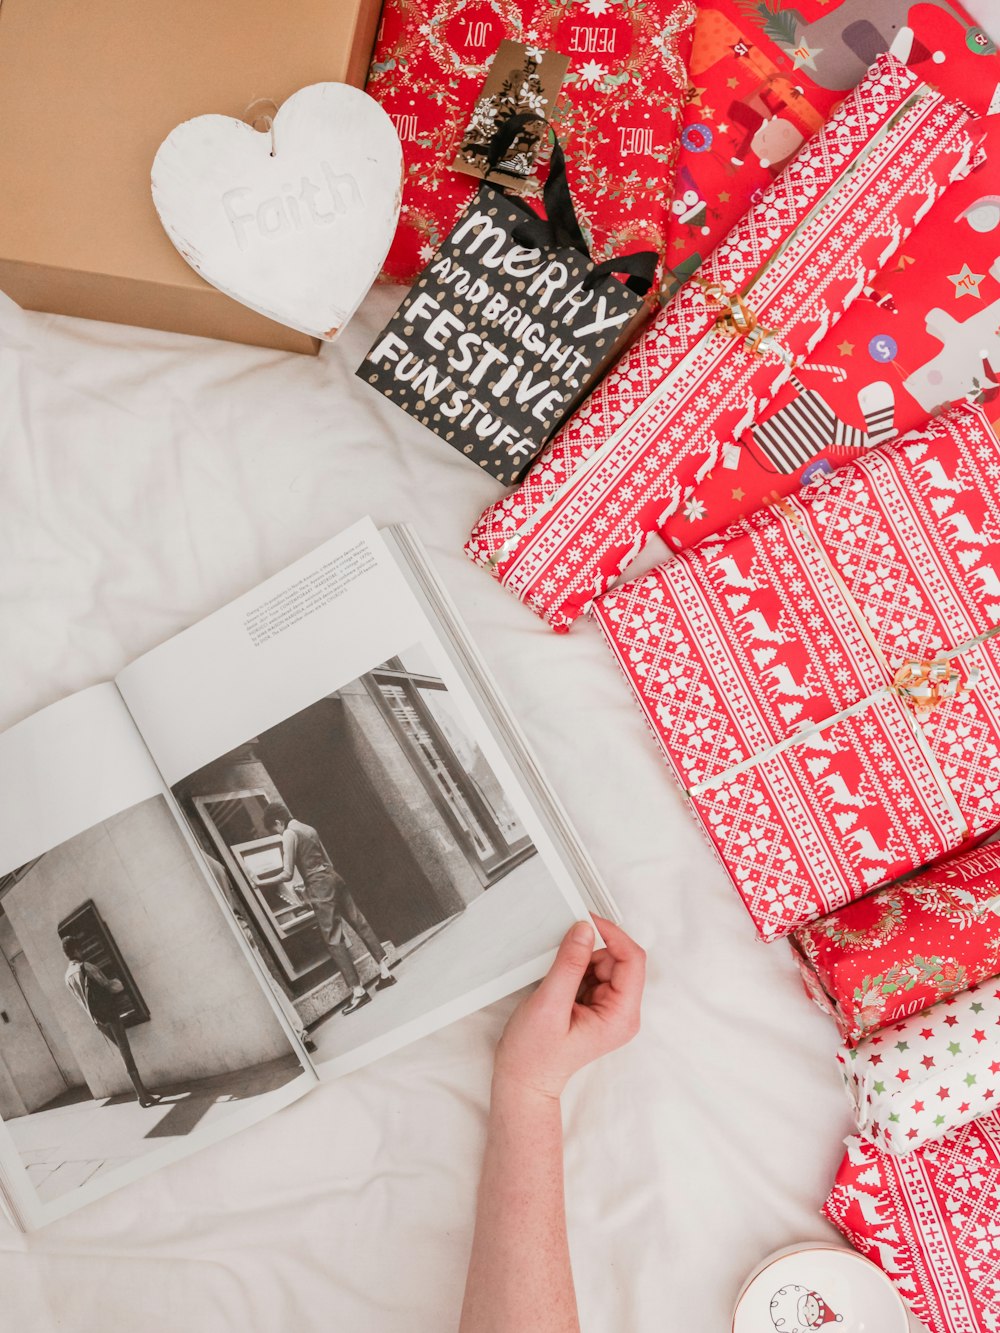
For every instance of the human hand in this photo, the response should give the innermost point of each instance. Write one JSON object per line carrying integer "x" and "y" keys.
{"x": 586, "y": 1006}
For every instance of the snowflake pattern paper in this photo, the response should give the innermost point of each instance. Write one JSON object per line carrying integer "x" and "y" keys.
{"x": 931, "y": 1221}
{"x": 801, "y": 615}
{"x": 661, "y": 420}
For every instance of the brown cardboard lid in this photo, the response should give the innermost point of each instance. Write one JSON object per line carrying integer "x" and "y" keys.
{"x": 91, "y": 90}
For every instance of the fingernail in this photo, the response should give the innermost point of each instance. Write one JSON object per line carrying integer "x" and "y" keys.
{"x": 582, "y": 933}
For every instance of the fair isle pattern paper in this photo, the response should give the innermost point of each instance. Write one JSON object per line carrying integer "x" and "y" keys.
{"x": 929, "y": 1220}
{"x": 658, "y": 423}
{"x": 764, "y": 658}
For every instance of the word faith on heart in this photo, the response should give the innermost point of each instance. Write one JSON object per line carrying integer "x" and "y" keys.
{"x": 292, "y": 209}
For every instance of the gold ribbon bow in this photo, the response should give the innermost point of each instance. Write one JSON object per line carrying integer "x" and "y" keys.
{"x": 922, "y": 684}
{"x": 739, "y": 320}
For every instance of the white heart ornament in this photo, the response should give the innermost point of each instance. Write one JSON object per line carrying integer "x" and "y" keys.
{"x": 301, "y": 234}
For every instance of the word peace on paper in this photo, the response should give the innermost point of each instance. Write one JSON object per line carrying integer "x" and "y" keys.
{"x": 497, "y": 340}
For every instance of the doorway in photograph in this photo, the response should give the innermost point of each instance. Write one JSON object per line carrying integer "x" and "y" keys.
{"x": 412, "y": 816}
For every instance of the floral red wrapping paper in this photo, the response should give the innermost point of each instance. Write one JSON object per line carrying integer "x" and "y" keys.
{"x": 931, "y": 1221}
{"x": 900, "y": 950}
{"x": 666, "y": 415}
{"x": 618, "y": 115}
{"x": 766, "y": 661}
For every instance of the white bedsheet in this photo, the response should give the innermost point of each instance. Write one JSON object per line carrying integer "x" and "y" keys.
{"x": 148, "y": 478}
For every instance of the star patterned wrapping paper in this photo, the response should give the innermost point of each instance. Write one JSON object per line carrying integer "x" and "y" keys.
{"x": 771, "y": 664}
{"x": 618, "y": 114}
{"x": 666, "y": 414}
{"x": 898, "y": 951}
{"x": 931, "y": 1221}
{"x": 933, "y": 1072}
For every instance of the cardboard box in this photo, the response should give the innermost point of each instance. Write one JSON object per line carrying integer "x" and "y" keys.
{"x": 90, "y": 92}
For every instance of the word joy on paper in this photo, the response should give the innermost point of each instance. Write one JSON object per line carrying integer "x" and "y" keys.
{"x": 294, "y": 222}
{"x": 497, "y": 340}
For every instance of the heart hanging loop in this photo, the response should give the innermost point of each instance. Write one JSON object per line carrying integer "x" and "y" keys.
{"x": 259, "y": 115}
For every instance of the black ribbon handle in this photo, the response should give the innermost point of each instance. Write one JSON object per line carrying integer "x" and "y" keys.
{"x": 560, "y": 228}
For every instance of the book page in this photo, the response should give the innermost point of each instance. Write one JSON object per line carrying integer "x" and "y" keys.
{"x": 135, "y": 1023}
{"x": 388, "y": 859}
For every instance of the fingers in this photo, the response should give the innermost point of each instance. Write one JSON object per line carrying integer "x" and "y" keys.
{"x": 567, "y": 971}
{"x": 627, "y": 973}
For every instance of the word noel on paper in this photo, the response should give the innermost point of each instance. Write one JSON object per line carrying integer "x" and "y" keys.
{"x": 496, "y": 340}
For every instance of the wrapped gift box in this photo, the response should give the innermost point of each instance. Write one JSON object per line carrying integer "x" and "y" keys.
{"x": 915, "y": 339}
{"x": 617, "y": 114}
{"x": 662, "y": 419}
{"x": 932, "y": 1073}
{"x": 90, "y": 92}
{"x": 930, "y": 1221}
{"x": 900, "y": 950}
{"x": 782, "y": 664}
{"x": 765, "y": 78}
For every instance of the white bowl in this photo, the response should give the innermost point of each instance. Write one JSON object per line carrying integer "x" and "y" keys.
{"x": 819, "y": 1289}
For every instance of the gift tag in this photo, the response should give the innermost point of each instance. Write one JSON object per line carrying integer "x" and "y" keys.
{"x": 295, "y": 222}
{"x": 521, "y": 79}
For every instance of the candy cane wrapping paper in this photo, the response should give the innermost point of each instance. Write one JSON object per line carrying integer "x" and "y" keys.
{"x": 658, "y": 423}
{"x": 898, "y": 951}
{"x": 929, "y": 1074}
{"x": 769, "y": 664}
{"x": 931, "y": 1221}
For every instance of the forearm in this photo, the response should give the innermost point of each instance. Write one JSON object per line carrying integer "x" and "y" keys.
{"x": 519, "y": 1274}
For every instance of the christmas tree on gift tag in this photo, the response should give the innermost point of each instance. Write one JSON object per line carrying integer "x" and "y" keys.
{"x": 294, "y": 221}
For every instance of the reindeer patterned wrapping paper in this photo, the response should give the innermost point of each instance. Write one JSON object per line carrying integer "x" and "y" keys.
{"x": 898, "y": 951}
{"x": 662, "y": 419}
{"x": 931, "y": 1221}
{"x": 785, "y": 668}
{"x": 929, "y": 1074}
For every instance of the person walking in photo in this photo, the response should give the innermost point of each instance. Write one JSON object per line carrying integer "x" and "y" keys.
{"x": 328, "y": 896}
{"x": 95, "y": 994}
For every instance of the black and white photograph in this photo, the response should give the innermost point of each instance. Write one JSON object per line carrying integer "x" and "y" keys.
{"x": 130, "y": 1014}
{"x": 372, "y": 856}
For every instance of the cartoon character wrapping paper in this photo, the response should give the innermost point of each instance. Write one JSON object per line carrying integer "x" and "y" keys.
{"x": 764, "y": 76}
{"x": 618, "y": 114}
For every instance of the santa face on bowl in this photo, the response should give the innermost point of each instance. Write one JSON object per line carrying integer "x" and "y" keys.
{"x": 796, "y": 1309}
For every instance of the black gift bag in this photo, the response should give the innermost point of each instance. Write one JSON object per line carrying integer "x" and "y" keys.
{"x": 510, "y": 325}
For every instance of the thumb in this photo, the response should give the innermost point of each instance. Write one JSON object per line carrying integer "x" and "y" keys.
{"x": 571, "y": 961}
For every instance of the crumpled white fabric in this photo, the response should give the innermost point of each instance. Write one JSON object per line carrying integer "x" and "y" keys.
{"x": 147, "y": 478}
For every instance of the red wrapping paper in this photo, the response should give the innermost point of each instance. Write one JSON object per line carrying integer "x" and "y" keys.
{"x": 898, "y": 951}
{"x": 764, "y": 79}
{"x": 658, "y": 423}
{"x": 617, "y": 116}
{"x": 764, "y": 661}
{"x": 931, "y": 1221}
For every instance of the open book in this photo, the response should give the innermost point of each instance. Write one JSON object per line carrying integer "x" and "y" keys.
{"x": 293, "y": 838}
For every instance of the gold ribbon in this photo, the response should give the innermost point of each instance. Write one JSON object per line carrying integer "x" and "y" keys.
{"x": 739, "y": 320}
{"x": 920, "y": 685}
